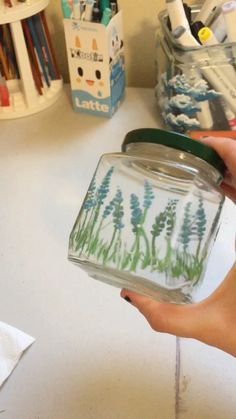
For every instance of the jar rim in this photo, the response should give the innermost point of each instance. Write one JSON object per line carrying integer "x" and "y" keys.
{"x": 177, "y": 141}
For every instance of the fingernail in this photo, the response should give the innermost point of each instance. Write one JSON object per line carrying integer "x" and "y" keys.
{"x": 126, "y": 298}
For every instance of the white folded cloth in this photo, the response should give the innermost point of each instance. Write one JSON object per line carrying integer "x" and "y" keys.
{"x": 13, "y": 343}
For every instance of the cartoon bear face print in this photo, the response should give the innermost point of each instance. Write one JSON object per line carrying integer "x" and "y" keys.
{"x": 90, "y": 78}
{"x": 89, "y": 73}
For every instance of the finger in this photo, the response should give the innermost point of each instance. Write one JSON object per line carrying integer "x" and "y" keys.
{"x": 229, "y": 179}
{"x": 180, "y": 320}
{"x": 226, "y": 148}
{"x": 229, "y": 191}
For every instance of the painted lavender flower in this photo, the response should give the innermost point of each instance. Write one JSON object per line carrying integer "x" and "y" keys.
{"x": 98, "y": 234}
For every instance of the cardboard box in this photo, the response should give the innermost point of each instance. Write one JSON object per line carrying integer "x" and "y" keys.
{"x": 96, "y": 65}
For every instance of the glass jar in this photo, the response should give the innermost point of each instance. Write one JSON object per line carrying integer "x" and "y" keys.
{"x": 150, "y": 215}
{"x": 196, "y": 86}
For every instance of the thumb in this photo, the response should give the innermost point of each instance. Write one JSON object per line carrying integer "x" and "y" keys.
{"x": 180, "y": 320}
{"x": 226, "y": 148}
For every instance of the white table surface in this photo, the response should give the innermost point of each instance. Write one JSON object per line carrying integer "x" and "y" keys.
{"x": 94, "y": 356}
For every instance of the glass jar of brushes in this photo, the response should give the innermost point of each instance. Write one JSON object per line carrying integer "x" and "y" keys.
{"x": 150, "y": 216}
{"x": 196, "y": 84}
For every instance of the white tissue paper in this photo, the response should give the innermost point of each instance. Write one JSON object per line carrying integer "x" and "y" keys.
{"x": 13, "y": 343}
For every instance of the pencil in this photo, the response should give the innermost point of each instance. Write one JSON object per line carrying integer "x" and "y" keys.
{"x": 4, "y": 63}
{"x": 45, "y": 25}
{"x": 36, "y": 43}
{"x": 44, "y": 46}
{"x": 5, "y": 39}
{"x": 36, "y": 78}
{"x": 30, "y": 46}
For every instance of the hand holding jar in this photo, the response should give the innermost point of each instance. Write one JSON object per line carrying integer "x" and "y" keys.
{"x": 213, "y": 320}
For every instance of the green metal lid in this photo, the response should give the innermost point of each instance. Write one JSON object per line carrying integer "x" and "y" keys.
{"x": 177, "y": 141}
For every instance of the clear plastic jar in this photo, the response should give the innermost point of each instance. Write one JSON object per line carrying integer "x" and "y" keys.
{"x": 196, "y": 86}
{"x": 150, "y": 216}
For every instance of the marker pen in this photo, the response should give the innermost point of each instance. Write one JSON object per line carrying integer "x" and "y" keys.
{"x": 184, "y": 37}
{"x": 76, "y": 9}
{"x": 177, "y": 14}
{"x": 188, "y": 12}
{"x": 219, "y": 81}
{"x": 208, "y": 38}
{"x": 106, "y": 16}
{"x": 113, "y": 6}
{"x": 208, "y": 11}
{"x": 218, "y": 28}
{"x": 212, "y": 73}
{"x": 88, "y": 13}
{"x": 229, "y": 13}
{"x": 96, "y": 17}
{"x": 195, "y": 28}
{"x": 194, "y": 77}
{"x": 104, "y": 4}
{"x": 204, "y": 116}
{"x": 231, "y": 118}
{"x": 66, "y": 10}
